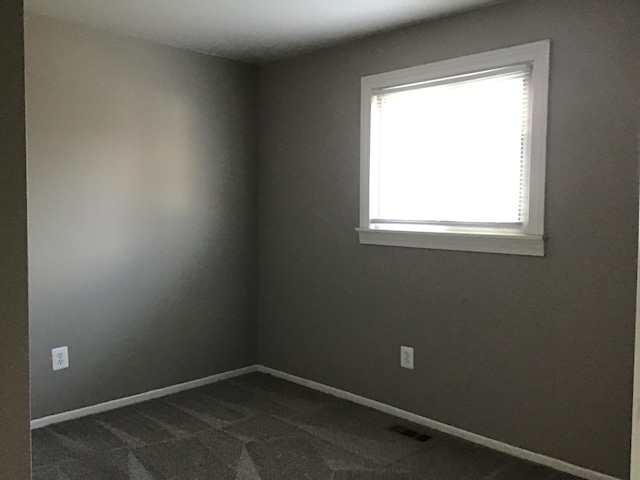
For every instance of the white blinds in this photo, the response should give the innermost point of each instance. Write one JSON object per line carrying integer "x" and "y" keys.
{"x": 452, "y": 151}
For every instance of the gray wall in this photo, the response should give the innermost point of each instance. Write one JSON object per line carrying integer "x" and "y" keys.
{"x": 535, "y": 352}
{"x": 142, "y": 212}
{"x": 14, "y": 319}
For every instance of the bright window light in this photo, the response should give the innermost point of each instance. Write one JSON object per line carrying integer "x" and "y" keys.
{"x": 459, "y": 153}
{"x": 451, "y": 153}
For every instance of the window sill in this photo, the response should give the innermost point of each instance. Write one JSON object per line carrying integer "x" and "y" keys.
{"x": 511, "y": 244}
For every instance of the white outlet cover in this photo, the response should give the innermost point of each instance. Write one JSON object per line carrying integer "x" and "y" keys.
{"x": 406, "y": 357}
{"x": 60, "y": 358}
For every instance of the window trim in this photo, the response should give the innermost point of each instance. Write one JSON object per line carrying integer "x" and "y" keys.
{"x": 530, "y": 241}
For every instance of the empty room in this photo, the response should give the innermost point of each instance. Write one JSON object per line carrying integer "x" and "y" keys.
{"x": 279, "y": 239}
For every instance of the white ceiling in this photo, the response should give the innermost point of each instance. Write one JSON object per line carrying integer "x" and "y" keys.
{"x": 249, "y": 30}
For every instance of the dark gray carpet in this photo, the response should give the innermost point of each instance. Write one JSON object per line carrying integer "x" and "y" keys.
{"x": 260, "y": 427}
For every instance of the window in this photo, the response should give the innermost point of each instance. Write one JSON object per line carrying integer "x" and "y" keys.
{"x": 453, "y": 153}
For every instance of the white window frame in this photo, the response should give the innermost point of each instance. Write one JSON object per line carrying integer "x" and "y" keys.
{"x": 527, "y": 241}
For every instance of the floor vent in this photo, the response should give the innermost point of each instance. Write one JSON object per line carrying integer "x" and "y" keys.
{"x": 421, "y": 437}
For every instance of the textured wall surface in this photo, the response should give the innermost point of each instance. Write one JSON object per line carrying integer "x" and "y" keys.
{"x": 142, "y": 212}
{"x": 14, "y": 319}
{"x": 535, "y": 352}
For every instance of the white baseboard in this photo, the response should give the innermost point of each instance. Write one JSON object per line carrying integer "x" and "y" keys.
{"x": 442, "y": 427}
{"x": 336, "y": 392}
{"x": 141, "y": 397}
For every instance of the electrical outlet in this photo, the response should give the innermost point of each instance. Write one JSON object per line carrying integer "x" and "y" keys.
{"x": 406, "y": 357}
{"x": 60, "y": 358}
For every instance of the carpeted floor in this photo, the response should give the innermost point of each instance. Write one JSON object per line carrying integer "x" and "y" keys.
{"x": 260, "y": 427}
